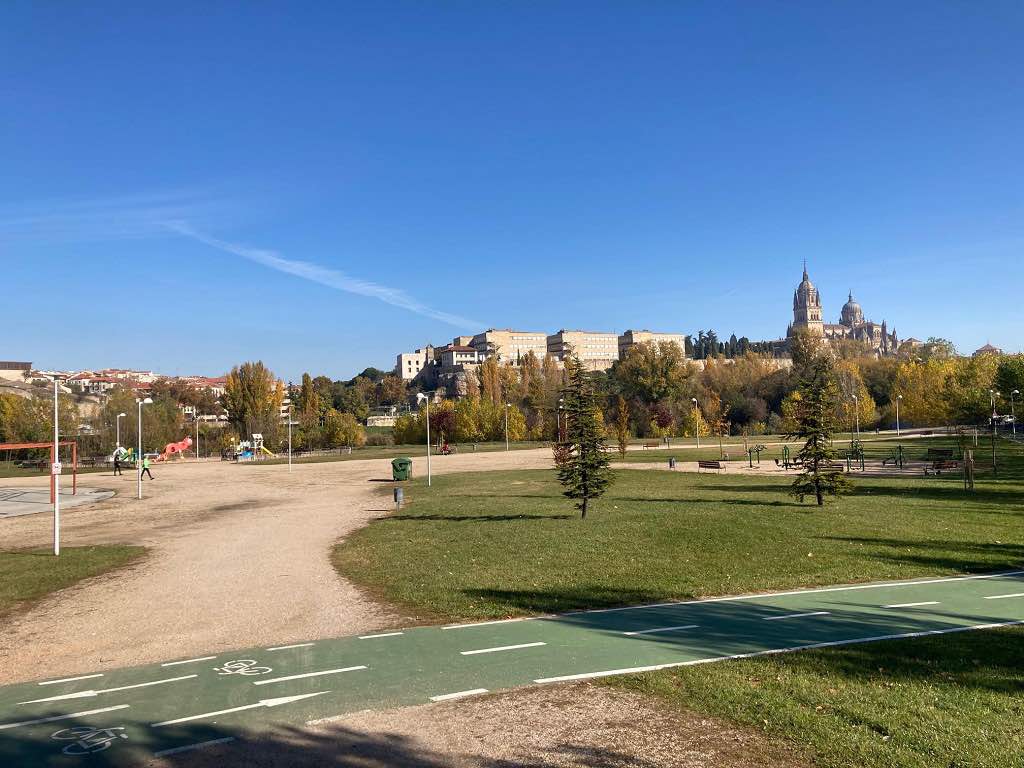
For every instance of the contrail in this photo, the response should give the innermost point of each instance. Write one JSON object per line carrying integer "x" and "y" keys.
{"x": 332, "y": 278}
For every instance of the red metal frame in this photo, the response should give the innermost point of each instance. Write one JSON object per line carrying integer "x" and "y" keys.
{"x": 74, "y": 461}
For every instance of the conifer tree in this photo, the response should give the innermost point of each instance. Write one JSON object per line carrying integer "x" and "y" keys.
{"x": 815, "y": 424}
{"x": 584, "y": 471}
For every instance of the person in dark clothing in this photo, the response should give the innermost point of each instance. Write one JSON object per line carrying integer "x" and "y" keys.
{"x": 117, "y": 463}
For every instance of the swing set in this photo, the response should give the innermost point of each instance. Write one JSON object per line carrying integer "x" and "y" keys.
{"x": 53, "y": 460}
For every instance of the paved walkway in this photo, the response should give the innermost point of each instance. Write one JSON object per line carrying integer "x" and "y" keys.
{"x": 28, "y": 501}
{"x": 145, "y": 714}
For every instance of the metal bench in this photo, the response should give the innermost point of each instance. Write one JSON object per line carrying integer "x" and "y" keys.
{"x": 710, "y": 465}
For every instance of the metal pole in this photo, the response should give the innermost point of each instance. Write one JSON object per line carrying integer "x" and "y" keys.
{"x": 53, "y": 469}
{"x": 289, "y": 437}
{"x": 898, "y": 398}
{"x": 428, "y": 439}
{"x": 138, "y": 456}
{"x": 117, "y": 423}
{"x": 696, "y": 421}
{"x": 197, "y": 433}
{"x": 856, "y": 412}
{"x": 506, "y": 426}
{"x": 1013, "y": 412}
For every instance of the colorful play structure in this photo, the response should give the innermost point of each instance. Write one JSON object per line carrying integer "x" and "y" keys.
{"x": 174, "y": 449}
{"x": 247, "y": 450}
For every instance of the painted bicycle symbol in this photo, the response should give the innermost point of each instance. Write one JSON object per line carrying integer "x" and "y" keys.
{"x": 242, "y": 667}
{"x": 87, "y": 739}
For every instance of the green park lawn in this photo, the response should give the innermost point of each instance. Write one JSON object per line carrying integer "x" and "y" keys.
{"x": 489, "y": 545}
{"x": 28, "y": 576}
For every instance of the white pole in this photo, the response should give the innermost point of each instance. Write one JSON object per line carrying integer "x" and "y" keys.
{"x": 856, "y": 413}
{"x": 898, "y": 398}
{"x": 289, "y": 437}
{"x": 1013, "y": 411}
{"x": 428, "y": 439}
{"x": 138, "y": 456}
{"x": 696, "y": 421}
{"x": 197, "y": 433}
{"x": 56, "y": 476}
{"x": 506, "y": 426}
{"x": 117, "y": 422}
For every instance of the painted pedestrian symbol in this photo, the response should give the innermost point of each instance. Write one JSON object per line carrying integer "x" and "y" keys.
{"x": 88, "y": 739}
{"x": 245, "y": 667}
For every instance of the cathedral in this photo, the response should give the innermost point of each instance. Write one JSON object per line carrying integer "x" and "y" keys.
{"x": 851, "y": 325}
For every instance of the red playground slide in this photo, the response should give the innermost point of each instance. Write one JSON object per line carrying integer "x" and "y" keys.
{"x": 173, "y": 448}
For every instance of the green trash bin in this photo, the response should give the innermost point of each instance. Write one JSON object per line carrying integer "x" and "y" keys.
{"x": 401, "y": 468}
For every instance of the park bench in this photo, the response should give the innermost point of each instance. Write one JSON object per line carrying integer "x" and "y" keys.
{"x": 651, "y": 445}
{"x": 834, "y": 465}
{"x": 943, "y": 465}
{"x": 710, "y": 465}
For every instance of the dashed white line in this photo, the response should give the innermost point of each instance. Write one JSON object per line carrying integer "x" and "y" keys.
{"x": 286, "y": 647}
{"x": 753, "y": 654}
{"x": 383, "y": 634}
{"x": 261, "y": 703}
{"x": 912, "y": 605}
{"x": 490, "y": 623}
{"x": 659, "y": 629}
{"x": 501, "y": 648}
{"x": 458, "y": 694}
{"x": 186, "y": 661}
{"x": 69, "y": 679}
{"x": 1000, "y": 597}
{"x": 190, "y": 747}
{"x": 5, "y": 726}
{"x": 796, "y": 615}
{"x": 308, "y": 674}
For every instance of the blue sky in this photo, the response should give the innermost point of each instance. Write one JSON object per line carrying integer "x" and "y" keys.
{"x": 323, "y": 185}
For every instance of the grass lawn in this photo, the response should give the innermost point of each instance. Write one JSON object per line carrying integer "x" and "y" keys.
{"x": 31, "y": 575}
{"x": 952, "y": 701}
{"x": 489, "y": 545}
{"x": 7, "y": 469}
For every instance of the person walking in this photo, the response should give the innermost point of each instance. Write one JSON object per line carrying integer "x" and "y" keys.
{"x": 117, "y": 462}
{"x": 145, "y": 467}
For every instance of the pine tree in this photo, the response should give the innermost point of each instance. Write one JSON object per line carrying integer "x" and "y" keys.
{"x": 815, "y": 417}
{"x": 584, "y": 470}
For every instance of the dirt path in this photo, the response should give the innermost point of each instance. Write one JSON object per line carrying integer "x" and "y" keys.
{"x": 238, "y": 558}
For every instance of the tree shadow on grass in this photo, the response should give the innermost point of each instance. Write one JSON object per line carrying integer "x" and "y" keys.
{"x": 964, "y": 556}
{"x": 471, "y": 518}
{"x": 560, "y": 600}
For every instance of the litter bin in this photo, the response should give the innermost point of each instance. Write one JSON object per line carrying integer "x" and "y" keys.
{"x": 401, "y": 468}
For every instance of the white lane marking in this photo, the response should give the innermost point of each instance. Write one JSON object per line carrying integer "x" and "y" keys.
{"x": 912, "y": 605}
{"x": 91, "y": 693}
{"x": 308, "y": 674}
{"x": 186, "y": 661}
{"x": 501, "y": 648}
{"x": 286, "y": 647}
{"x": 458, "y": 694}
{"x": 490, "y": 623}
{"x": 261, "y": 703}
{"x": 70, "y": 679}
{"x": 1000, "y": 597}
{"x": 852, "y": 587}
{"x": 753, "y": 654}
{"x": 659, "y": 629}
{"x": 190, "y": 747}
{"x": 796, "y": 615}
{"x": 384, "y": 634}
{"x": 5, "y": 726}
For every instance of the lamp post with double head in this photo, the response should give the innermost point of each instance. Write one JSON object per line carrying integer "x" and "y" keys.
{"x": 898, "y": 398}
{"x": 117, "y": 427}
{"x": 138, "y": 457}
{"x": 424, "y": 397}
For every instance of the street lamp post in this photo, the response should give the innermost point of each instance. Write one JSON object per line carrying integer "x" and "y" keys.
{"x": 197, "y": 432}
{"x": 507, "y": 406}
{"x": 898, "y": 398}
{"x": 856, "y": 413}
{"x": 55, "y": 469}
{"x": 422, "y": 397}
{"x": 289, "y": 437}
{"x": 138, "y": 457}
{"x": 1013, "y": 411}
{"x": 696, "y": 421}
{"x": 117, "y": 425}
{"x": 558, "y": 418}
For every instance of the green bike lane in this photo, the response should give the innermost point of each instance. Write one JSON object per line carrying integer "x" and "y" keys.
{"x": 129, "y": 716}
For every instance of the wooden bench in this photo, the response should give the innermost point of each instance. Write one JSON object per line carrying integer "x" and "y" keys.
{"x": 710, "y": 465}
{"x": 944, "y": 465}
{"x": 651, "y": 445}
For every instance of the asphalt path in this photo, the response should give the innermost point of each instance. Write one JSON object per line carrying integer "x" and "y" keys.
{"x": 135, "y": 715}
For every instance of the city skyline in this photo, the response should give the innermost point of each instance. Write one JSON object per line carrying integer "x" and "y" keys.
{"x": 357, "y": 189}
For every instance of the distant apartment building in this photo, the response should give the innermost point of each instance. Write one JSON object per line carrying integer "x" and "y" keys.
{"x": 630, "y": 338}
{"x": 596, "y": 350}
{"x": 455, "y": 357}
{"x": 507, "y": 345}
{"x": 13, "y": 370}
{"x": 409, "y": 364}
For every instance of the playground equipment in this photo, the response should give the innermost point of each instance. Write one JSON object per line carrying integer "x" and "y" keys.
{"x": 173, "y": 449}
{"x": 123, "y": 455}
{"x": 854, "y": 454}
{"x": 755, "y": 450}
{"x": 247, "y": 450}
{"x": 258, "y": 447}
{"x": 55, "y": 466}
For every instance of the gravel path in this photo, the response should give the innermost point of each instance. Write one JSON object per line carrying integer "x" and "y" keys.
{"x": 239, "y": 557}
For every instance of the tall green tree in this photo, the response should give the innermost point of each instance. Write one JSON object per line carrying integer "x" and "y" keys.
{"x": 253, "y": 397}
{"x": 815, "y": 423}
{"x": 584, "y": 471}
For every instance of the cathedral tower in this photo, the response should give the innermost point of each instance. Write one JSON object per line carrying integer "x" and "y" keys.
{"x": 807, "y": 307}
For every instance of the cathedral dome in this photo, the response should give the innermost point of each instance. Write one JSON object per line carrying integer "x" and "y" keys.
{"x": 852, "y": 313}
